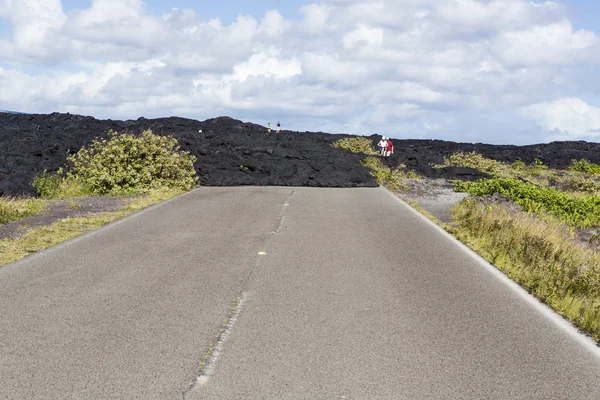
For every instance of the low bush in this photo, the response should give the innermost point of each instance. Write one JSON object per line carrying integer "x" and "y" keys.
{"x": 580, "y": 211}
{"x": 124, "y": 164}
{"x": 586, "y": 166}
{"x": 359, "y": 145}
{"x": 541, "y": 256}
{"x": 121, "y": 164}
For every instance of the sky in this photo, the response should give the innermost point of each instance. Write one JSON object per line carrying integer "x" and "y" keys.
{"x": 491, "y": 71}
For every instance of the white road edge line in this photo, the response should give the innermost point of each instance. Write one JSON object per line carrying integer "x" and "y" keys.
{"x": 545, "y": 310}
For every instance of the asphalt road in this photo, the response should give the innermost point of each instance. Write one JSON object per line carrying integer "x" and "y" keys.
{"x": 355, "y": 297}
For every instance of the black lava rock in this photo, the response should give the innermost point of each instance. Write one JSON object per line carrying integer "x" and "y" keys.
{"x": 232, "y": 153}
{"x": 229, "y": 152}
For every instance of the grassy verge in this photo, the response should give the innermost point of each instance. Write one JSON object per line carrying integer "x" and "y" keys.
{"x": 576, "y": 210}
{"x": 15, "y": 209}
{"x": 539, "y": 255}
{"x": 423, "y": 211}
{"x": 41, "y": 238}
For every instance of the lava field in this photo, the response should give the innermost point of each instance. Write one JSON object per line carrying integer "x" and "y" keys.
{"x": 233, "y": 153}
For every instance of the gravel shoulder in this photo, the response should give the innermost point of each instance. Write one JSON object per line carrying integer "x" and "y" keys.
{"x": 435, "y": 195}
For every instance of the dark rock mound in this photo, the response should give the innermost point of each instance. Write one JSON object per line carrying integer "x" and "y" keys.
{"x": 229, "y": 152}
{"x": 420, "y": 155}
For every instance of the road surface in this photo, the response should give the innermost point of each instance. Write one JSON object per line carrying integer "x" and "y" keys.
{"x": 278, "y": 293}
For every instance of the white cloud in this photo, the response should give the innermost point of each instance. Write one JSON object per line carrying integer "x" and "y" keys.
{"x": 266, "y": 64}
{"x": 572, "y": 117}
{"x": 273, "y": 23}
{"x": 555, "y": 43}
{"x": 315, "y": 17}
{"x": 419, "y": 67}
{"x": 364, "y": 36}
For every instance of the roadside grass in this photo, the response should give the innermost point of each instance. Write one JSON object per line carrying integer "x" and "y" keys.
{"x": 581, "y": 177}
{"x": 577, "y": 210}
{"x": 13, "y": 209}
{"x": 44, "y": 237}
{"x": 425, "y": 213}
{"x": 540, "y": 255}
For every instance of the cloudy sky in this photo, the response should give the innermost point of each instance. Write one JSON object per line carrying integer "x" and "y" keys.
{"x": 495, "y": 71}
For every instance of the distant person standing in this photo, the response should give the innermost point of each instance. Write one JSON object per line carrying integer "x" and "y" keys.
{"x": 278, "y": 127}
{"x": 389, "y": 150}
{"x": 382, "y": 146}
{"x": 268, "y": 128}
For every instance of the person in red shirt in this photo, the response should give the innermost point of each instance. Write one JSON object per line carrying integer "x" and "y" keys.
{"x": 389, "y": 149}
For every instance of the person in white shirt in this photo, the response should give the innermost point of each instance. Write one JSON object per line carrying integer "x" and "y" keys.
{"x": 382, "y": 146}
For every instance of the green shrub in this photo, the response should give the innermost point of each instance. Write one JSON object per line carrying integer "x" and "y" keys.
{"x": 359, "y": 145}
{"x": 124, "y": 164}
{"x": 584, "y": 165}
{"x": 581, "y": 211}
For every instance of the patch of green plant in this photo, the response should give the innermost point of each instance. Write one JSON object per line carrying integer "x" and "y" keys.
{"x": 537, "y": 167}
{"x": 542, "y": 256}
{"x": 425, "y": 213}
{"x": 16, "y": 209}
{"x": 386, "y": 176}
{"x": 518, "y": 165}
{"x": 586, "y": 166}
{"x": 536, "y": 171}
{"x": 59, "y": 185}
{"x": 408, "y": 173}
{"x": 359, "y": 145}
{"x": 583, "y": 184}
{"x": 121, "y": 164}
{"x": 474, "y": 160}
{"x": 580, "y": 211}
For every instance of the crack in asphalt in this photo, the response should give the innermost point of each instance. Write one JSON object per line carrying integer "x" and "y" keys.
{"x": 215, "y": 349}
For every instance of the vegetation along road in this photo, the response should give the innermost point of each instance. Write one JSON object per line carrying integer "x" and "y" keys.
{"x": 273, "y": 293}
